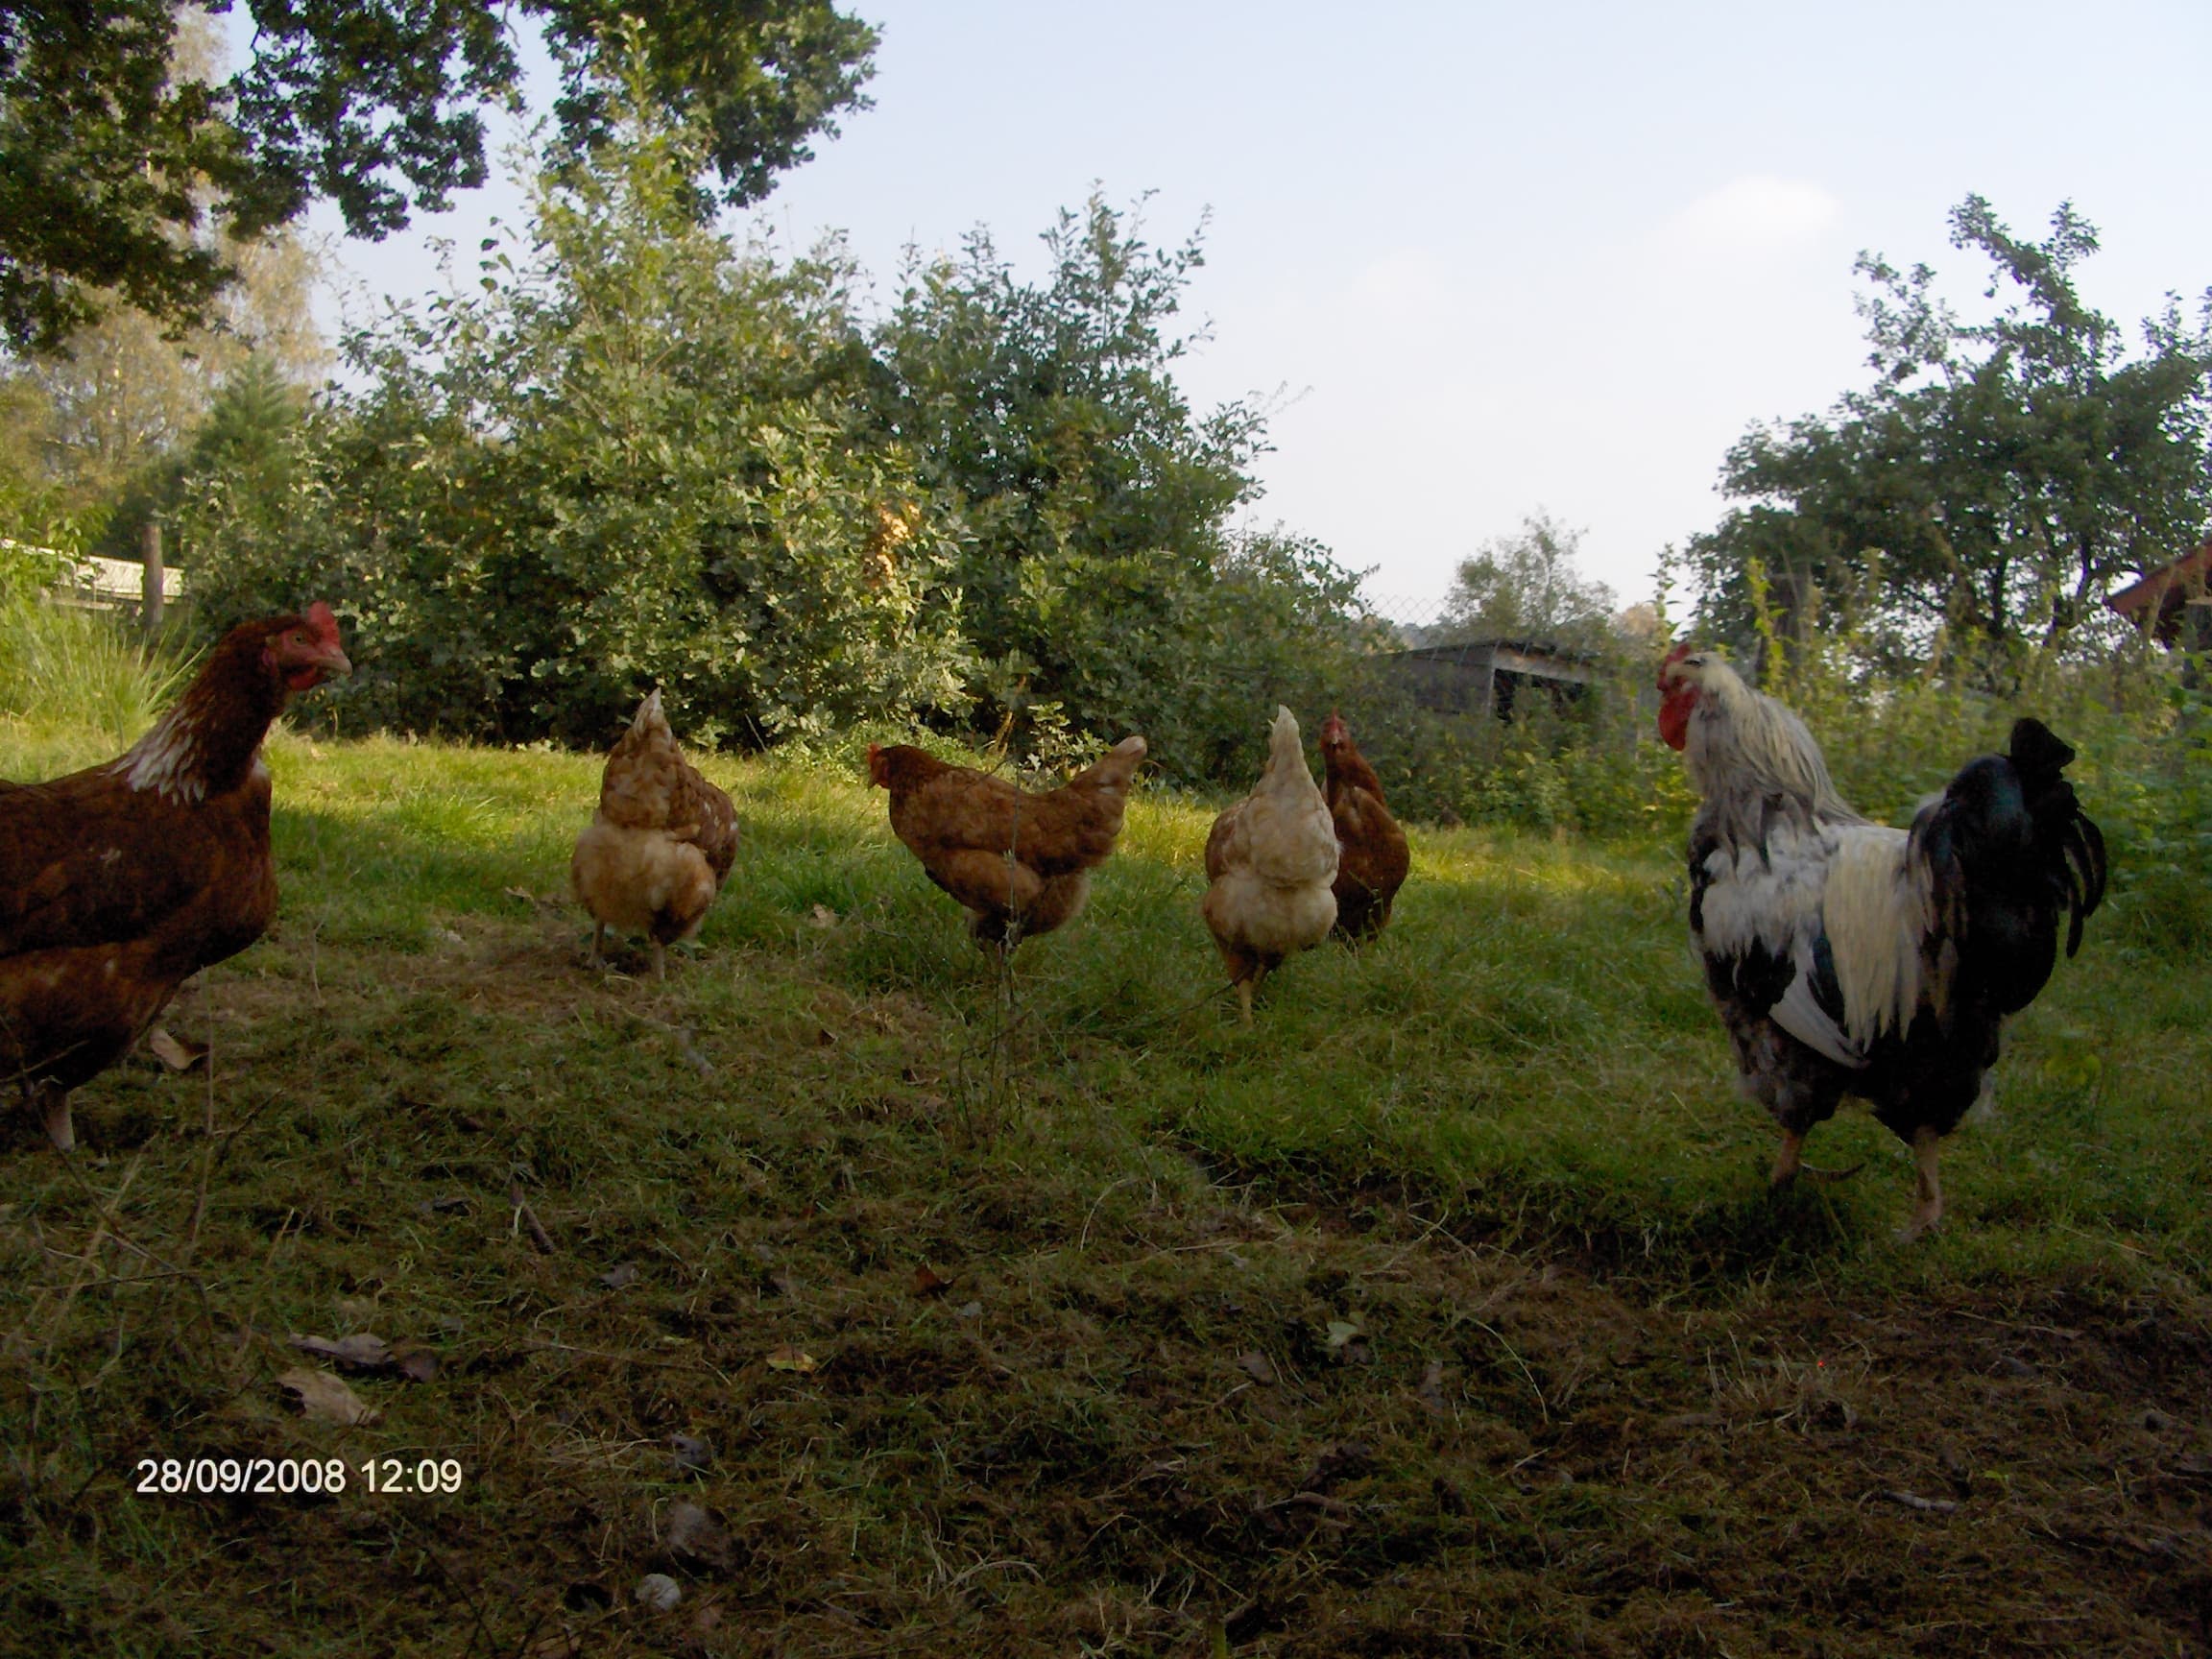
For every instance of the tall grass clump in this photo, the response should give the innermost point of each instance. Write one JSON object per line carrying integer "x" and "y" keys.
{"x": 84, "y": 673}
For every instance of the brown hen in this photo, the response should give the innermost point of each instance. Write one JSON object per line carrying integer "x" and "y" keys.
{"x": 1019, "y": 862}
{"x": 119, "y": 883}
{"x": 1371, "y": 853}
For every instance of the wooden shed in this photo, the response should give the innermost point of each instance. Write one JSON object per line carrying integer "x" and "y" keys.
{"x": 1491, "y": 676}
{"x": 2172, "y": 602}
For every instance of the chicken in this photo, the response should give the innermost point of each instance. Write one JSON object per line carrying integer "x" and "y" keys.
{"x": 119, "y": 883}
{"x": 1850, "y": 958}
{"x": 1270, "y": 864}
{"x": 1021, "y": 863}
{"x": 1371, "y": 854}
{"x": 661, "y": 845}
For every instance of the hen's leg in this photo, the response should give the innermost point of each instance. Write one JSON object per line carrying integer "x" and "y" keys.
{"x": 598, "y": 938}
{"x": 660, "y": 960}
{"x": 53, "y": 1106}
{"x": 1928, "y": 1209}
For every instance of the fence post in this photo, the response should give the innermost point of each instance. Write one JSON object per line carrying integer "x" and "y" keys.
{"x": 150, "y": 596}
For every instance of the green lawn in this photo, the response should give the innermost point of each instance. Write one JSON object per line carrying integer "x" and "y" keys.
{"x": 1442, "y": 1310}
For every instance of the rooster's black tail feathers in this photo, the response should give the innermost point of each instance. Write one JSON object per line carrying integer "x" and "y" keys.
{"x": 2072, "y": 840}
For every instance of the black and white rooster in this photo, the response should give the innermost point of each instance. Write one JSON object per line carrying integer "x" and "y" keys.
{"x": 1850, "y": 958}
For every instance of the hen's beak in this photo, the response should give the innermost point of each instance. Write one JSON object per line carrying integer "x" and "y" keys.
{"x": 309, "y": 672}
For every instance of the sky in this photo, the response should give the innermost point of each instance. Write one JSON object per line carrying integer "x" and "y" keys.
{"x": 1492, "y": 260}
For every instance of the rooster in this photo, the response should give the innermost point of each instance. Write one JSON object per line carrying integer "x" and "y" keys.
{"x": 119, "y": 883}
{"x": 1019, "y": 863}
{"x": 1850, "y": 958}
{"x": 1270, "y": 865}
{"x": 1372, "y": 857}
{"x": 661, "y": 845}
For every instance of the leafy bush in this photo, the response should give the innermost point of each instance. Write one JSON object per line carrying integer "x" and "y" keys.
{"x": 637, "y": 458}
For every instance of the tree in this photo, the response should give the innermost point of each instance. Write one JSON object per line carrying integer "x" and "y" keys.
{"x": 1995, "y": 480}
{"x": 1525, "y": 587}
{"x": 118, "y": 403}
{"x": 1097, "y": 568}
{"x": 110, "y": 156}
{"x": 636, "y": 458}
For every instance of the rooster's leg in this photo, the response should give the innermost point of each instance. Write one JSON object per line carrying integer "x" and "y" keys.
{"x": 1787, "y": 1161}
{"x": 1928, "y": 1209}
{"x": 55, "y": 1107}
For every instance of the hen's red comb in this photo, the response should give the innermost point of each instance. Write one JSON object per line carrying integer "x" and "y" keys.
{"x": 324, "y": 621}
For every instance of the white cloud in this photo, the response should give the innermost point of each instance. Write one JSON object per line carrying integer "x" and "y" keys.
{"x": 1757, "y": 213}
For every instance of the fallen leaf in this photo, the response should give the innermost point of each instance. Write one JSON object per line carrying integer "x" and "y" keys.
{"x": 362, "y": 1352}
{"x": 822, "y": 916}
{"x": 969, "y": 1310}
{"x": 178, "y": 1054}
{"x": 416, "y": 1364}
{"x": 928, "y": 1283}
{"x": 1346, "y": 1460}
{"x": 326, "y": 1398}
{"x": 1256, "y": 1366}
{"x": 790, "y": 1359}
{"x": 697, "y": 1536}
{"x": 1340, "y": 1332}
{"x": 522, "y": 893}
{"x": 619, "y": 1277}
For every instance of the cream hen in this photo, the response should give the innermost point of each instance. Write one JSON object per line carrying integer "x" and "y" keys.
{"x": 656, "y": 851}
{"x": 1270, "y": 867}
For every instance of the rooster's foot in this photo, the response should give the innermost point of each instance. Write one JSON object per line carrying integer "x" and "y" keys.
{"x": 1789, "y": 1164}
{"x": 57, "y": 1116}
{"x": 1928, "y": 1206}
{"x": 178, "y": 1054}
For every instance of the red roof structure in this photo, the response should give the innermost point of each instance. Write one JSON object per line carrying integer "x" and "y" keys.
{"x": 2164, "y": 595}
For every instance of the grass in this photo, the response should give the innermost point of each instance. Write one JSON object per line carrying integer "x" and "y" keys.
{"x": 1442, "y": 1311}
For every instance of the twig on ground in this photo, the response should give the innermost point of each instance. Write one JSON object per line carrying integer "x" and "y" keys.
{"x": 528, "y": 1218}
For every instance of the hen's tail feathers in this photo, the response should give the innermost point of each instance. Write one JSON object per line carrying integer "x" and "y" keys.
{"x": 1117, "y": 766}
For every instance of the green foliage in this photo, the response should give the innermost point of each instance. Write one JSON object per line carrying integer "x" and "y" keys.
{"x": 108, "y": 157}
{"x": 1097, "y": 573}
{"x": 1526, "y": 585}
{"x": 1995, "y": 480}
{"x": 77, "y": 672}
{"x": 636, "y": 458}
